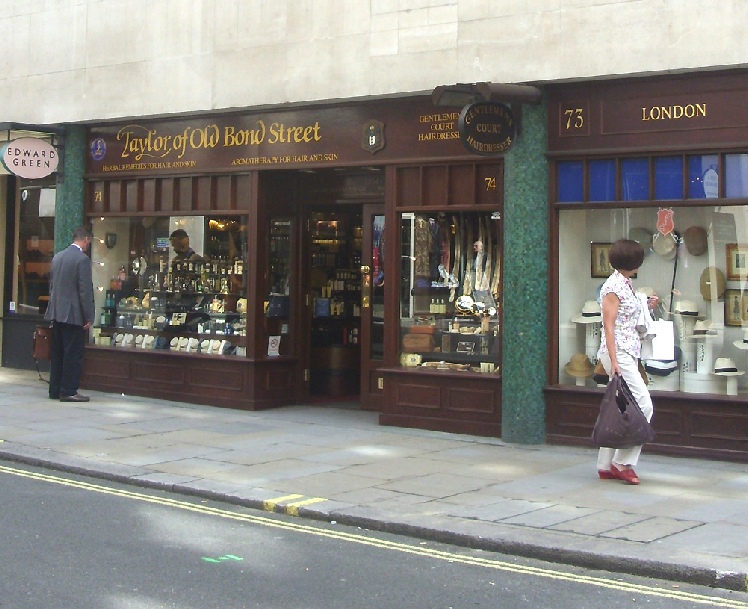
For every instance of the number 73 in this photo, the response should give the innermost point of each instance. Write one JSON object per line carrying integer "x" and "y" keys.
{"x": 574, "y": 116}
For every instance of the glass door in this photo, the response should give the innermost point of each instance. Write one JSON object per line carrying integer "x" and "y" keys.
{"x": 372, "y": 305}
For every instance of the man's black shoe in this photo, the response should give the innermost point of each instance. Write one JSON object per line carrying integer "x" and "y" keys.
{"x": 74, "y": 398}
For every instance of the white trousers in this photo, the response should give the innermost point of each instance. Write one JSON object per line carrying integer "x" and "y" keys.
{"x": 633, "y": 378}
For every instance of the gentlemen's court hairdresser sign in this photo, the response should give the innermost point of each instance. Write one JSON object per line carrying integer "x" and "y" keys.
{"x": 29, "y": 157}
{"x": 487, "y": 128}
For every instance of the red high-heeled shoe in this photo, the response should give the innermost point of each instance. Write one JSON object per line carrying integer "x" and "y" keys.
{"x": 627, "y": 475}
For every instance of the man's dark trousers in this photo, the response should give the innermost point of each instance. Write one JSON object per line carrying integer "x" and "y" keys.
{"x": 68, "y": 343}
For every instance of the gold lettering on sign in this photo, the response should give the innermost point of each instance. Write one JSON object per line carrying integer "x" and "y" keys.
{"x": 441, "y": 126}
{"x": 574, "y": 118}
{"x": 673, "y": 112}
{"x": 490, "y": 183}
{"x": 98, "y": 196}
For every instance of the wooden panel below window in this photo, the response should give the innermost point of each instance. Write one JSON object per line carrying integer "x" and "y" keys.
{"x": 229, "y": 382}
{"x": 691, "y": 425}
{"x": 456, "y": 402}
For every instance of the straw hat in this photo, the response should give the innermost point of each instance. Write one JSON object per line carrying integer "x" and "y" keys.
{"x": 712, "y": 283}
{"x": 695, "y": 239}
{"x": 579, "y": 366}
{"x": 591, "y": 313}
{"x": 703, "y": 328}
{"x": 646, "y": 290}
{"x": 686, "y": 307}
{"x": 742, "y": 344}
{"x": 664, "y": 245}
{"x": 724, "y": 366}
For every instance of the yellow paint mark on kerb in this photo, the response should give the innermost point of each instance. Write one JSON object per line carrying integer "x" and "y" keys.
{"x": 479, "y": 561}
{"x": 270, "y": 504}
{"x": 292, "y": 509}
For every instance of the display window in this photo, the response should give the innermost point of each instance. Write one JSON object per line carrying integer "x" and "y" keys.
{"x": 696, "y": 261}
{"x": 450, "y": 291}
{"x": 172, "y": 283}
{"x": 34, "y": 248}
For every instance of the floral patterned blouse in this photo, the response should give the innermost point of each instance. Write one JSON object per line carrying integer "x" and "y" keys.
{"x": 625, "y": 334}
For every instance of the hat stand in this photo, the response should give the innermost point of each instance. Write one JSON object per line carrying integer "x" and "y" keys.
{"x": 591, "y": 339}
{"x": 684, "y": 325}
{"x": 732, "y": 381}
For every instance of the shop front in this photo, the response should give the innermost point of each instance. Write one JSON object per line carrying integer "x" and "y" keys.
{"x": 344, "y": 253}
{"x": 663, "y": 161}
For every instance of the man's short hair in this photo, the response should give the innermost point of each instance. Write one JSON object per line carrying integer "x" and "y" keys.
{"x": 81, "y": 233}
{"x": 180, "y": 233}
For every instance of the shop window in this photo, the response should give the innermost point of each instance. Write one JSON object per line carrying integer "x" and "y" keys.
{"x": 450, "y": 291}
{"x": 700, "y": 273}
{"x": 603, "y": 180}
{"x": 34, "y": 249}
{"x": 570, "y": 181}
{"x": 736, "y": 175}
{"x": 668, "y": 178}
{"x": 703, "y": 177}
{"x": 635, "y": 179}
{"x": 173, "y": 283}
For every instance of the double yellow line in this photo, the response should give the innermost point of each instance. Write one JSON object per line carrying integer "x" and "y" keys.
{"x": 296, "y": 501}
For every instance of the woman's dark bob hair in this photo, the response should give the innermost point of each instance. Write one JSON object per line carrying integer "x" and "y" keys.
{"x": 626, "y": 255}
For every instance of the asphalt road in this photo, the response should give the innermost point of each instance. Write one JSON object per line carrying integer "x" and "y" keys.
{"x": 69, "y": 542}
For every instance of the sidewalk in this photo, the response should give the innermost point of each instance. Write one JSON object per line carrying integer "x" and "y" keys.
{"x": 687, "y": 521}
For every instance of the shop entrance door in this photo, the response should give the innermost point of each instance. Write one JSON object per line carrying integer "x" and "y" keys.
{"x": 372, "y": 305}
{"x": 345, "y": 271}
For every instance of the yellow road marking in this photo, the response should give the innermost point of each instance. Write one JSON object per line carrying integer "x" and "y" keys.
{"x": 488, "y": 563}
{"x": 292, "y": 509}
{"x": 271, "y": 504}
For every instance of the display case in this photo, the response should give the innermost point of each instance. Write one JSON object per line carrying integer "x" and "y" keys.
{"x": 449, "y": 290}
{"x": 172, "y": 284}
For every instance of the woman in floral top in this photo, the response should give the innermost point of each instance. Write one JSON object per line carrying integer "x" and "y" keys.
{"x": 620, "y": 349}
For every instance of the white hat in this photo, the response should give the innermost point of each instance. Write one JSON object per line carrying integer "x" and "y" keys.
{"x": 726, "y": 367}
{"x": 686, "y": 307}
{"x": 591, "y": 313}
{"x": 742, "y": 344}
{"x": 703, "y": 328}
{"x": 648, "y": 291}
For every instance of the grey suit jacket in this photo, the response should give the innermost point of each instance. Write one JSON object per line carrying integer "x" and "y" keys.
{"x": 71, "y": 298}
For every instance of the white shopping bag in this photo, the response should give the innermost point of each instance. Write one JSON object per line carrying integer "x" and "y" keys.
{"x": 660, "y": 344}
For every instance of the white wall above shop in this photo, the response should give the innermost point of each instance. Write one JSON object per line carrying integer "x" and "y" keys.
{"x": 85, "y": 60}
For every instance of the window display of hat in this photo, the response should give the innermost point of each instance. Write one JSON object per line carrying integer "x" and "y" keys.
{"x": 703, "y": 328}
{"x": 695, "y": 239}
{"x": 579, "y": 366}
{"x": 665, "y": 246}
{"x": 712, "y": 284}
{"x": 686, "y": 307}
{"x": 742, "y": 344}
{"x": 591, "y": 313}
{"x": 726, "y": 367}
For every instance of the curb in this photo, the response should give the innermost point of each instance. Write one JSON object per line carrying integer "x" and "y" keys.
{"x": 714, "y": 578}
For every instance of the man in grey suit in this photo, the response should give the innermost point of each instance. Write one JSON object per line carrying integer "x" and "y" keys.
{"x": 71, "y": 311}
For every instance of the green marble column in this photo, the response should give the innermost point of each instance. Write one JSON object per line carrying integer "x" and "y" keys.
{"x": 69, "y": 206}
{"x": 525, "y": 301}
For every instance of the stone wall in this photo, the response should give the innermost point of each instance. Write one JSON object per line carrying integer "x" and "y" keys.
{"x": 90, "y": 60}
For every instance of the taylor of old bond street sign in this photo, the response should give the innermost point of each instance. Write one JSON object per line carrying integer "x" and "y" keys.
{"x": 487, "y": 128}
